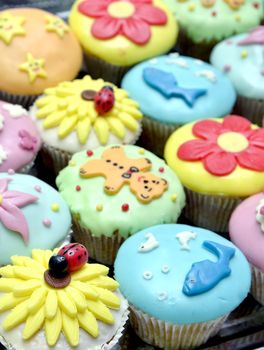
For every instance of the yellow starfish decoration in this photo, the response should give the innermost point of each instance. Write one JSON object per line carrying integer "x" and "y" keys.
{"x": 10, "y": 26}
{"x": 34, "y": 68}
{"x": 56, "y": 25}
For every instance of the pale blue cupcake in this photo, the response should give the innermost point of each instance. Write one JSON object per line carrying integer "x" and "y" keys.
{"x": 173, "y": 90}
{"x": 181, "y": 283}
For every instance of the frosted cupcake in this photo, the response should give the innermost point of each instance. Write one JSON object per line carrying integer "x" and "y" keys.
{"x": 38, "y": 50}
{"x": 240, "y": 57}
{"x": 246, "y": 230}
{"x": 220, "y": 162}
{"x": 115, "y": 191}
{"x": 117, "y": 34}
{"x": 174, "y": 90}
{"x": 58, "y": 300}
{"x": 181, "y": 283}
{"x": 19, "y": 139}
{"x": 84, "y": 114}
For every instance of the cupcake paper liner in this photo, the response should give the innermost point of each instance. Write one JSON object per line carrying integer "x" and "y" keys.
{"x": 257, "y": 284}
{"x": 60, "y": 159}
{"x": 24, "y": 100}
{"x": 172, "y": 336}
{"x": 209, "y": 211}
{"x": 250, "y": 108}
{"x": 26, "y": 169}
{"x": 102, "y": 249}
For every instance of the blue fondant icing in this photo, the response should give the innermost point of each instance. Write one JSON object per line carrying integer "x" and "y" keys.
{"x": 177, "y": 307}
{"x": 168, "y": 86}
{"x": 205, "y": 275}
{"x": 217, "y": 102}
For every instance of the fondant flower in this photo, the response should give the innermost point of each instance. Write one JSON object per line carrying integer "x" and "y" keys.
{"x": 10, "y": 214}
{"x": 27, "y": 141}
{"x": 223, "y": 146}
{"x": 131, "y": 18}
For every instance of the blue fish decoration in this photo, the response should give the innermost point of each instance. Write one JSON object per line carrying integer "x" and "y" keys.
{"x": 167, "y": 85}
{"x": 206, "y": 274}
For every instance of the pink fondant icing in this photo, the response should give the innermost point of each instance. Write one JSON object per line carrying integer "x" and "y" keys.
{"x": 245, "y": 232}
{"x": 19, "y": 137}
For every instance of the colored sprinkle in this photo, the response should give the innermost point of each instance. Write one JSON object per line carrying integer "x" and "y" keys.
{"x": 1, "y": 199}
{"x": 165, "y": 269}
{"x": 99, "y": 207}
{"x": 46, "y": 222}
{"x": 89, "y": 153}
{"x": 125, "y": 207}
{"x": 174, "y": 197}
{"x": 191, "y": 7}
{"x": 78, "y": 188}
{"x": 141, "y": 151}
{"x": 214, "y": 13}
{"x": 244, "y": 54}
{"x": 237, "y": 18}
{"x": 161, "y": 169}
{"x": 55, "y": 207}
{"x": 261, "y": 211}
{"x": 72, "y": 163}
{"x": 227, "y": 68}
{"x": 262, "y": 73}
{"x": 37, "y": 188}
{"x": 147, "y": 275}
{"x": 255, "y": 5}
{"x": 11, "y": 171}
{"x": 229, "y": 42}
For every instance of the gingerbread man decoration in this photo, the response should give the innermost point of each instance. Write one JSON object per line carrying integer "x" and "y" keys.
{"x": 208, "y": 3}
{"x": 119, "y": 170}
{"x": 235, "y": 4}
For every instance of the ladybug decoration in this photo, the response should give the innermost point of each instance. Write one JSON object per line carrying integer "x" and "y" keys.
{"x": 70, "y": 257}
{"x": 104, "y": 99}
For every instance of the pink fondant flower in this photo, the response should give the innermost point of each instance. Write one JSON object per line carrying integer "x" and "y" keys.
{"x": 134, "y": 27}
{"x": 27, "y": 141}
{"x": 10, "y": 214}
{"x": 216, "y": 158}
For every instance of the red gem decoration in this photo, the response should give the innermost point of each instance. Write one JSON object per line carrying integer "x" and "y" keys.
{"x": 125, "y": 207}
{"x": 135, "y": 28}
{"x": 216, "y": 160}
{"x": 256, "y": 5}
{"x": 78, "y": 188}
{"x": 89, "y": 153}
{"x": 75, "y": 254}
{"x": 214, "y": 13}
{"x": 161, "y": 169}
{"x": 104, "y": 100}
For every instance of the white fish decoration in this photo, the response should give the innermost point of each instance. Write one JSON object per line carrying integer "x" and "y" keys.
{"x": 150, "y": 244}
{"x": 184, "y": 238}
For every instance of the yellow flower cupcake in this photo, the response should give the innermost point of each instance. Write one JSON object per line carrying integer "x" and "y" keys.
{"x": 85, "y": 114}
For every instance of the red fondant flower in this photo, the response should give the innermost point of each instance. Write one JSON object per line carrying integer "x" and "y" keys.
{"x": 223, "y": 146}
{"x": 134, "y": 25}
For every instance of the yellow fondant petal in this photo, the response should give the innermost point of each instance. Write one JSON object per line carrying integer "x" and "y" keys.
{"x": 83, "y": 130}
{"x": 120, "y": 94}
{"x": 47, "y": 256}
{"x": 46, "y": 110}
{"x": 129, "y": 102}
{"x": 7, "y": 271}
{"x": 8, "y": 301}
{"x": 134, "y": 112}
{"x": 70, "y": 328}
{"x": 28, "y": 262}
{"x": 116, "y": 127}
{"x": 64, "y": 91}
{"x": 78, "y": 297}
{"x": 128, "y": 121}
{"x": 83, "y": 110}
{"x": 54, "y": 119}
{"x": 108, "y": 298}
{"x": 16, "y": 316}
{"x": 8, "y": 284}
{"x": 34, "y": 323}
{"x": 87, "y": 290}
{"x": 27, "y": 273}
{"x": 66, "y": 303}
{"x": 105, "y": 282}
{"x": 51, "y": 305}
{"x": 37, "y": 299}
{"x": 101, "y": 129}
{"x": 100, "y": 311}
{"x": 53, "y": 328}
{"x": 38, "y": 255}
{"x": 72, "y": 108}
{"x": 67, "y": 126}
{"x": 90, "y": 271}
{"x": 88, "y": 322}
{"x": 18, "y": 260}
{"x": 43, "y": 101}
{"x": 26, "y": 288}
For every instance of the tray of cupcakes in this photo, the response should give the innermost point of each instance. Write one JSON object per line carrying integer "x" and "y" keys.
{"x": 131, "y": 175}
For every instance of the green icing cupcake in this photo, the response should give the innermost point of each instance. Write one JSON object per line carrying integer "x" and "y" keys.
{"x": 116, "y": 191}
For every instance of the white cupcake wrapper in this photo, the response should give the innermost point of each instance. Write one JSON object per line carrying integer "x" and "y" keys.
{"x": 208, "y": 211}
{"x": 257, "y": 284}
{"x": 24, "y": 100}
{"x": 250, "y": 108}
{"x": 169, "y": 336}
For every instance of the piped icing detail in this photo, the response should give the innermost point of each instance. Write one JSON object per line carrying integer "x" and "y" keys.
{"x": 3, "y": 154}
{"x": 15, "y": 111}
{"x": 26, "y": 140}
{"x": 184, "y": 238}
{"x": 34, "y": 67}
{"x": 10, "y": 214}
{"x": 10, "y": 27}
{"x": 206, "y": 274}
{"x": 56, "y": 25}
{"x": 119, "y": 170}
{"x": 260, "y": 214}
{"x": 222, "y": 146}
{"x": 131, "y": 19}
{"x": 85, "y": 301}
{"x": 150, "y": 243}
{"x": 166, "y": 84}
{"x": 71, "y": 109}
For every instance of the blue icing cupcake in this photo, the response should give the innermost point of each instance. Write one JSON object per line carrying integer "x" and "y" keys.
{"x": 173, "y": 90}
{"x": 32, "y": 215}
{"x": 241, "y": 57}
{"x": 176, "y": 276}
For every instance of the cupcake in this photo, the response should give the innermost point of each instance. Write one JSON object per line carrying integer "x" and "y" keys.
{"x": 246, "y": 230}
{"x": 19, "y": 139}
{"x": 174, "y": 90}
{"x": 38, "y": 50}
{"x": 115, "y": 191}
{"x": 204, "y": 23}
{"x": 115, "y": 35}
{"x": 32, "y": 215}
{"x": 59, "y": 301}
{"x": 181, "y": 283}
{"x": 220, "y": 162}
{"x": 241, "y": 58}
{"x": 84, "y": 114}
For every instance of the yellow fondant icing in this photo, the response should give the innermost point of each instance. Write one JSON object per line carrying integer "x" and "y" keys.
{"x": 33, "y": 67}
{"x": 11, "y": 26}
{"x": 30, "y": 300}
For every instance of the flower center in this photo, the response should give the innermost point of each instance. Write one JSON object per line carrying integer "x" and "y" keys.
{"x": 1, "y": 199}
{"x": 232, "y": 141}
{"x": 121, "y": 9}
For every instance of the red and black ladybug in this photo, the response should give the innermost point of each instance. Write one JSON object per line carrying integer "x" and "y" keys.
{"x": 104, "y": 99}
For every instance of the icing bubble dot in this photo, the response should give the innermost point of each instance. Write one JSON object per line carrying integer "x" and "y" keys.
{"x": 191, "y": 7}
{"x": 11, "y": 171}
{"x": 72, "y": 163}
{"x": 238, "y": 18}
{"x": 244, "y": 54}
{"x": 256, "y": 5}
{"x": 99, "y": 207}
{"x": 141, "y": 151}
{"x": 214, "y": 13}
{"x": 262, "y": 73}
{"x": 78, "y": 188}
{"x": 162, "y": 296}
{"x": 37, "y": 188}
{"x": 147, "y": 275}
{"x": 46, "y": 222}
{"x": 161, "y": 169}
{"x": 89, "y": 153}
{"x": 165, "y": 269}
{"x": 125, "y": 207}
{"x": 227, "y": 68}
{"x": 174, "y": 197}
{"x": 55, "y": 207}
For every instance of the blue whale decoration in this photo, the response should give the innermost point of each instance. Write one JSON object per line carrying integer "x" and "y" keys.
{"x": 206, "y": 274}
{"x": 167, "y": 85}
